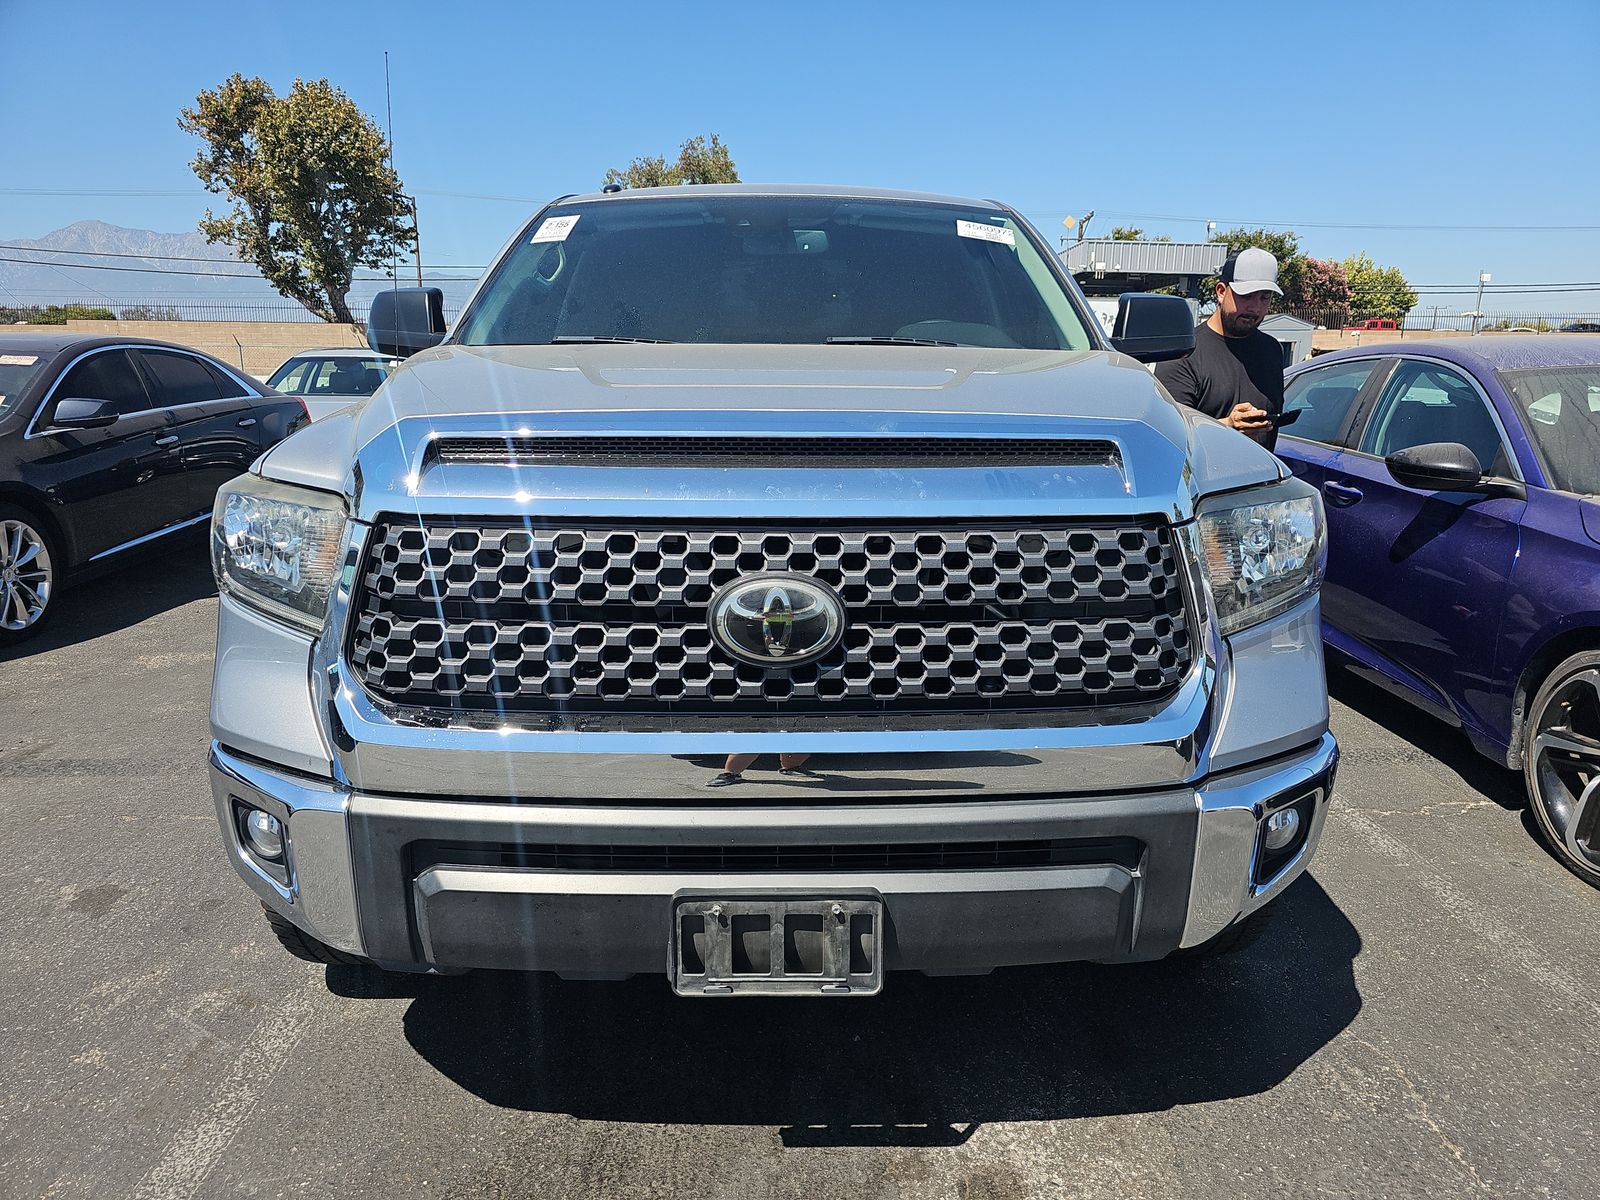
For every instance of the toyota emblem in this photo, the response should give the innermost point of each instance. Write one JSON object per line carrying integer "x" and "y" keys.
{"x": 776, "y": 620}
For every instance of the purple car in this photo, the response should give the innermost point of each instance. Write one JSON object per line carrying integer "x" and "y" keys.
{"x": 1462, "y": 481}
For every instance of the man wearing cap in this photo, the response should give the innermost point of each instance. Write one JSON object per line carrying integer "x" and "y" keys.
{"x": 1235, "y": 372}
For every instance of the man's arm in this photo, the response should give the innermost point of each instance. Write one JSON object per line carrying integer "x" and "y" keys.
{"x": 1178, "y": 377}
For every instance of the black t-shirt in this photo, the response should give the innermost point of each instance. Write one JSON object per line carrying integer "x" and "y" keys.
{"x": 1224, "y": 371}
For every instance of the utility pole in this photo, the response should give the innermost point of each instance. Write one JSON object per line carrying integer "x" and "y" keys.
{"x": 1477, "y": 307}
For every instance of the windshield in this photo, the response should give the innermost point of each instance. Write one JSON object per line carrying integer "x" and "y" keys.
{"x": 1560, "y": 409}
{"x": 332, "y": 376}
{"x": 17, "y": 371}
{"x": 750, "y": 269}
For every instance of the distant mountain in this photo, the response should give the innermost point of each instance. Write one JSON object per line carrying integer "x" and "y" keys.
{"x": 77, "y": 274}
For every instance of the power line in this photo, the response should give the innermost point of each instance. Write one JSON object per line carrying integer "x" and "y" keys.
{"x": 251, "y": 274}
{"x": 185, "y": 258}
{"x": 1259, "y": 224}
{"x": 90, "y": 192}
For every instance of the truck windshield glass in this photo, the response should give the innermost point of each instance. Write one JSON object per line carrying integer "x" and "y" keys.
{"x": 772, "y": 269}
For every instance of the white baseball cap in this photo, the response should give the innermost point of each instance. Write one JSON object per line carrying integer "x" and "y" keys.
{"x": 1250, "y": 271}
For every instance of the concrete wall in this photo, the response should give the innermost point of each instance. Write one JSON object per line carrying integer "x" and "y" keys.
{"x": 256, "y": 347}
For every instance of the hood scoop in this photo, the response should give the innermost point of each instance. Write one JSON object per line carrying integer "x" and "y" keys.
{"x": 768, "y": 451}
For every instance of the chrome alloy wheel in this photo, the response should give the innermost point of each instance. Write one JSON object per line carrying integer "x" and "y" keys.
{"x": 1563, "y": 766}
{"x": 26, "y": 576}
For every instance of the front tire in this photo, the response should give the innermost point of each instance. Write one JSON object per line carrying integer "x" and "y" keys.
{"x": 30, "y": 570}
{"x": 1561, "y": 763}
{"x": 302, "y": 945}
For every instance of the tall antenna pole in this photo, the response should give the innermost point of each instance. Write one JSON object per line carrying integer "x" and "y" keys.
{"x": 388, "y": 108}
{"x": 416, "y": 228}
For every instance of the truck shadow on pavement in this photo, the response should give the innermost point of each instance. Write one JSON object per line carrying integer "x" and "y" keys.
{"x": 163, "y": 578}
{"x": 923, "y": 1064}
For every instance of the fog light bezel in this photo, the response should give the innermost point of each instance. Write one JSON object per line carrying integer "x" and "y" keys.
{"x": 277, "y": 867}
{"x": 1269, "y": 864}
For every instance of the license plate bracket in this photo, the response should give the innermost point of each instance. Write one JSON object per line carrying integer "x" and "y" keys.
{"x": 777, "y": 945}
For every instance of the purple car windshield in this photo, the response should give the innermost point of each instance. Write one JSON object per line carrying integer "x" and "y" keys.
{"x": 1560, "y": 409}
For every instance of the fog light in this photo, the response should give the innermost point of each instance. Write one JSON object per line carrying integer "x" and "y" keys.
{"x": 1282, "y": 826}
{"x": 264, "y": 832}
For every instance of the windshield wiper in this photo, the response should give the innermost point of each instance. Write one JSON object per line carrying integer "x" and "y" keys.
{"x": 568, "y": 339}
{"x": 885, "y": 341}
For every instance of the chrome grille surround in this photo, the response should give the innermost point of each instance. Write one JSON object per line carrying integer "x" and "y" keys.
{"x": 587, "y": 618}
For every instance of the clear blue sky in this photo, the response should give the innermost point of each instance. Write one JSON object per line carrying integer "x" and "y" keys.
{"x": 1306, "y": 115}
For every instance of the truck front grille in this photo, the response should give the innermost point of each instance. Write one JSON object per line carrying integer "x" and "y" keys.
{"x": 582, "y": 619}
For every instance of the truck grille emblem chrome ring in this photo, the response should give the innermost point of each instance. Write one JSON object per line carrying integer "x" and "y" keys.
{"x": 774, "y": 619}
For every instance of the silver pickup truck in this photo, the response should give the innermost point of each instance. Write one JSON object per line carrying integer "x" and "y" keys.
{"x": 767, "y": 588}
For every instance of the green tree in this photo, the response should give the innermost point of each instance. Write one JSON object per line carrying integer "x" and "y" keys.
{"x": 60, "y": 314}
{"x": 1377, "y": 291}
{"x": 1132, "y": 233}
{"x": 150, "y": 312}
{"x": 700, "y": 160}
{"x": 308, "y": 175}
{"x": 1283, "y": 245}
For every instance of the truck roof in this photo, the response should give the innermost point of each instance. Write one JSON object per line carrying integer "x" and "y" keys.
{"x": 837, "y": 191}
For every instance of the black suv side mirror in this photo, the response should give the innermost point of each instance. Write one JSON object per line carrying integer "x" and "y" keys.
{"x": 405, "y": 320}
{"x": 1446, "y": 467}
{"x": 1153, "y": 328}
{"x": 78, "y": 413}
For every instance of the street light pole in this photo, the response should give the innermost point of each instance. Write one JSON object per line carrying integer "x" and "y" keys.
{"x": 1477, "y": 307}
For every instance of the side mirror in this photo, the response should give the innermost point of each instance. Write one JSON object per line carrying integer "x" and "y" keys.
{"x": 78, "y": 413}
{"x": 1153, "y": 328}
{"x": 405, "y": 320}
{"x": 1436, "y": 467}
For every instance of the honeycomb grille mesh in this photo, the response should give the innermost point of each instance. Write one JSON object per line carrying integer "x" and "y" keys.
{"x": 519, "y": 618}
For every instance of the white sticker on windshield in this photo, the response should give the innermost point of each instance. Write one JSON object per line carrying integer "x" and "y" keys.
{"x": 986, "y": 233}
{"x": 18, "y": 360}
{"x": 554, "y": 229}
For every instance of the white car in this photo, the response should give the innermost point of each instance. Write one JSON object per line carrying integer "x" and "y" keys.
{"x": 324, "y": 381}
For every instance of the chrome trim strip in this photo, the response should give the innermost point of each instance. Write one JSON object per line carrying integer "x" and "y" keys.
{"x": 150, "y": 537}
{"x": 253, "y": 390}
{"x": 1081, "y": 752}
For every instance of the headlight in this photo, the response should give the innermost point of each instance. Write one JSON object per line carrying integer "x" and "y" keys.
{"x": 1264, "y": 550}
{"x": 276, "y": 548}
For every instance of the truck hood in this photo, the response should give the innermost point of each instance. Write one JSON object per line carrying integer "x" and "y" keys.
{"x": 377, "y": 454}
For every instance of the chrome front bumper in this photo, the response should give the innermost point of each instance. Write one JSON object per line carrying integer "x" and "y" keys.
{"x": 356, "y": 879}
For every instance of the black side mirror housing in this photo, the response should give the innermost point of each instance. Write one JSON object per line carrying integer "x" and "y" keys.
{"x": 77, "y": 413}
{"x": 1153, "y": 328}
{"x": 1438, "y": 467}
{"x": 405, "y": 320}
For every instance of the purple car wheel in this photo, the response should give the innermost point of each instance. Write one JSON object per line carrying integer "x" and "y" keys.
{"x": 1562, "y": 762}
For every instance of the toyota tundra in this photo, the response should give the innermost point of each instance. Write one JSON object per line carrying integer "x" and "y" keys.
{"x": 767, "y": 588}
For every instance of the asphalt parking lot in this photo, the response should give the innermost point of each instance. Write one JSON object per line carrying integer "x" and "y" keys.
{"x": 1418, "y": 1020}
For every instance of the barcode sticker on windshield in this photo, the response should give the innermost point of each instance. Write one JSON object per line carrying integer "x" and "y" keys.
{"x": 986, "y": 233}
{"x": 18, "y": 360}
{"x": 554, "y": 229}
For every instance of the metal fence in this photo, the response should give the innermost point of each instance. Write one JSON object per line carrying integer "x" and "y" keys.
{"x": 1424, "y": 321}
